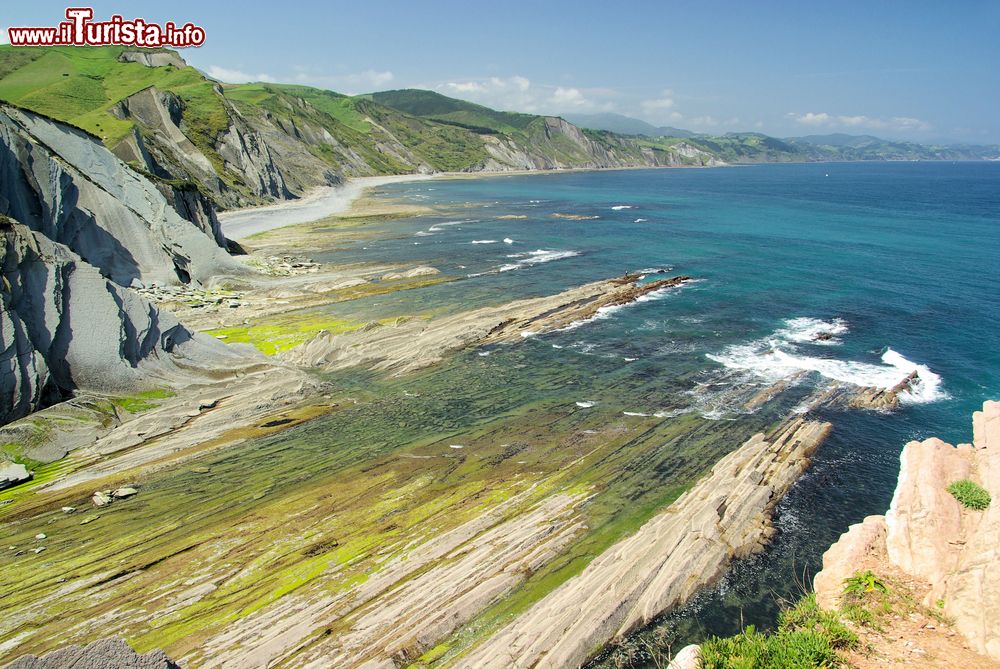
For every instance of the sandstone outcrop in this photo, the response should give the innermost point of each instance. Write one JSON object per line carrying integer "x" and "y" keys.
{"x": 12, "y": 473}
{"x": 413, "y": 344}
{"x": 927, "y": 533}
{"x": 725, "y": 515}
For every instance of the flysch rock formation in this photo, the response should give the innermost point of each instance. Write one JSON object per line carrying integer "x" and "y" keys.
{"x": 103, "y": 654}
{"x": 726, "y": 515}
{"x": 412, "y": 602}
{"x": 66, "y": 328}
{"x": 927, "y": 534}
{"x": 413, "y": 344}
{"x": 64, "y": 184}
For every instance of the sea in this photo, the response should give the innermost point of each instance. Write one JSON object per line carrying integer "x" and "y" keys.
{"x": 850, "y": 274}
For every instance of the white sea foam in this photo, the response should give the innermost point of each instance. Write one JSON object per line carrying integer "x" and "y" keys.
{"x": 422, "y": 233}
{"x": 636, "y": 413}
{"x": 483, "y": 241}
{"x": 439, "y": 227}
{"x": 535, "y": 258}
{"x": 619, "y": 207}
{"x": 483, "y": 354}
{"x": 508, "y": 240}
{"x": 779, "y": 356}
{"x": 813, "y": 331}
{"x": 640, "y": 220}
{"x": 611, "y": 309}
{"x": 586, "y": 404}
{"x": 456, "y": 446}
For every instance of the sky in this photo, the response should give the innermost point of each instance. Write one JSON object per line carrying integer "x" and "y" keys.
{"x": 918, "y": 70}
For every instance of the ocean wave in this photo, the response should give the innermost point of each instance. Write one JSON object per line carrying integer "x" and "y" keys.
{"x": 439, "y": 227}
{"x": 813, "y": 331}
{"x": 619, "y": 207}
{"x": 508, "y": 240}
{"x": 778, "y": 357}
{"x": 607, "y": 311}
{"x": 640, "y": 220}
{"x": 483, "y": 241}
{"x": 537, "y": 257}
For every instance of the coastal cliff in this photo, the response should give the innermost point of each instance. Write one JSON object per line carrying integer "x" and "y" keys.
{"x": 237, "y": 145}
{"x": 78, "y": 228}
{"x": 944, "y": 551}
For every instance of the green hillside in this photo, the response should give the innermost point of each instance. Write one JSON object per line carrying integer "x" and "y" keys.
{"x": 81, "y": 85}
{"x": 429, "y": 104}
{"x": 265, "y": 141}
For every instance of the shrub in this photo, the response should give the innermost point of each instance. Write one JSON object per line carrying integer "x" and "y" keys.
{"x": 862, "y": 583}
{"x": 970, "y": 494}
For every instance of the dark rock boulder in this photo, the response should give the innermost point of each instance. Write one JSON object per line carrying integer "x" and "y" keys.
{"x": 103, "y": 654}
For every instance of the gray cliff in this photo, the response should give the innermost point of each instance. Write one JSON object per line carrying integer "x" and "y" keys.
{"x": 65, "y": 327}
{"x": 64, "y": 184}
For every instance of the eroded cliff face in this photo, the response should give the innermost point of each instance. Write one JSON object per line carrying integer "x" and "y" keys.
{"x": 65, "y": 185}
{"x": 66, "y": 327}
{"x": 928, "y": 535}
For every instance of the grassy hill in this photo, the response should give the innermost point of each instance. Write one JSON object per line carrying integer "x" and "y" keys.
{"x": 252, "y": 143}
{"x": 431, "y": 105}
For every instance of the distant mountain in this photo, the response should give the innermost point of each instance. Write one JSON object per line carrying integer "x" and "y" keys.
{"x": 624, "y": 125}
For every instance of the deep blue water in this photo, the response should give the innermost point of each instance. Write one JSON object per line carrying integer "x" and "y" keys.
{"x": 898, "y": 261}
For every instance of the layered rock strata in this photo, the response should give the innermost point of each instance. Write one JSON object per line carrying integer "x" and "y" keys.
{"x": 413, "y": 344}
{"x": 724, "y": 516}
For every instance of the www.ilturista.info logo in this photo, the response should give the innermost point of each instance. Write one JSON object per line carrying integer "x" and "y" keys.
{"x": 80, "y": 30}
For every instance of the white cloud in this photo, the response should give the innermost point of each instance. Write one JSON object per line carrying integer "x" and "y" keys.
{"x": 350, "y": 83}
{"x": 232, "y": 76}
{"x": 894, "y": 123}
{"x": 517, "y": 93}
{"x": 569, "y": 98}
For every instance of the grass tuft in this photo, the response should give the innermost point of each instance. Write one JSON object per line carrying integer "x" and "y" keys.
{"x": 807, "y": 637}
{"x": 970, "y": 494}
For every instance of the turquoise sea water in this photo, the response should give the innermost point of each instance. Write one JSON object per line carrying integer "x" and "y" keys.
{"x": 898, "y": 261}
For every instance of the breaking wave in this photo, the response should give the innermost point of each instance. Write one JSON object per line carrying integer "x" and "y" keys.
{"x": 780, "y": 356}
{"x": 538, "y": 257}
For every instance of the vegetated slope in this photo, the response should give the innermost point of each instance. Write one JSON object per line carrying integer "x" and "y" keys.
{"x": 251, "y": 143}
{"x": 245, "y": 144}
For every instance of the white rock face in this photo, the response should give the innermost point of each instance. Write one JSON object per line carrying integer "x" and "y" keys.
{"x": 12, "y": 473}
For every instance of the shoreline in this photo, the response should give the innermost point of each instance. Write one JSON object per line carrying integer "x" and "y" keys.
{"x": 319, "y": 203}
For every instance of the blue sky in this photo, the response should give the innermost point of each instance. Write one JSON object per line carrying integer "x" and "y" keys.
{"x": 917, "y": 70}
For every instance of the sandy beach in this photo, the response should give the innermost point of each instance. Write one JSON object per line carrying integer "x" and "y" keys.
{"x": 320, "y": 203}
